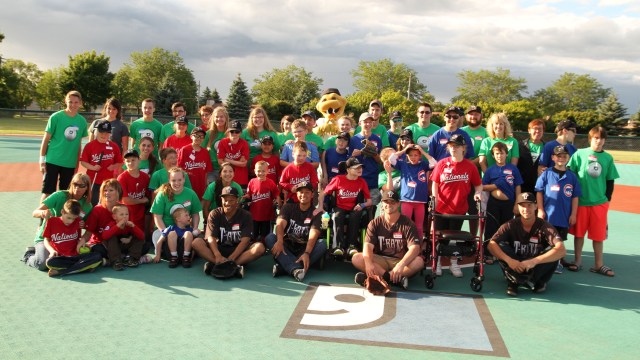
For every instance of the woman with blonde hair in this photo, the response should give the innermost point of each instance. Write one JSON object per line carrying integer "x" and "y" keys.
{"x": 257, "y": 127}
{"x": 498, "y": 130}
{"x": 218, "y": 125}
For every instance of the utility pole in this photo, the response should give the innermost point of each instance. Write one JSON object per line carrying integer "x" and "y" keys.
{"x": 409, "y": 89}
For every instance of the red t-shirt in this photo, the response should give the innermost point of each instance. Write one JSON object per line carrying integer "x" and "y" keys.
{"x": 229, "y": 151}
{"x": 197, "y": 164}
{"x": 262, "y": 195}
{"x": 98, "y": 219}
{"x": 176, "y": 142}
{"x": 63, "y": 238}
{"x": 273, "y": 170}
{"x": 346, "y": 191}
{"x": 135, "y": 188}
{"x": 294, "y": 174}
{"x": 112, "y": 230}
{"x": 455, "y": 181}
{"x": 104, "y": 154}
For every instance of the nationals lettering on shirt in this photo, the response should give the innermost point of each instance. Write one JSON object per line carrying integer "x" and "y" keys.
{"x": 103, "y": 154}
{"x": 135, "y": 188}
{"x": 262, "y": 194}
{"x": 346, "y": 191}
{"x": 63, "y": 238}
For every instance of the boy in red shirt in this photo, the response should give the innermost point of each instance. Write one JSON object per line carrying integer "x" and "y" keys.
{"x": 195, "y": 160}
{"x": 120, "y": 235}
{"x": 274, "y": 169}
{"x": 135, "y": 188}
{"x": 62, "y": 240}
{"x": 263, "y": 193}
{"x": 100, "y": 157}
{"x": 299, "y": 171}
{"x": 235, "y": 151}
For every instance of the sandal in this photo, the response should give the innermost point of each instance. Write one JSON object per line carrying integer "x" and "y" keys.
{"x": 573, "y": 267}
{"x": 603, "y": 270}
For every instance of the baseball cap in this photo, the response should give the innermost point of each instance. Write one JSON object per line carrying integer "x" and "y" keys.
{"x": 376, "y": 102}
{"x": 304, "y": 185}
{"x": 560, "y": 149}
{"x": 566, "y": 124}
{"x": 353, "y": 162}
{"x": 526, "y": 197}
{"x": 229, "y": 191}
{"x": 455, "y": 109}
{"x": 181, "y": 120}
{"x": 365, "y": 116}
{"x": 457, "y": 139}
{"x": 198, "y": 129}
{"x": 396, "y": 115}
{"x": 390, "y": 195}
{"x": 331, "y": 91}
{"x": 310, "y": 114}
{"x": 407, "y": 133}
{"x": 235, "y": 125}
{"x": 344, "y": 135}
{"x": 473, "y": 108}
{"x": 266, "y": 139}
{"x": 131, "y": 153}
{"x": 104, "y": 126}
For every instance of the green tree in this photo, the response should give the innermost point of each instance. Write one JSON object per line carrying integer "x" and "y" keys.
{"x": 376, "y": 77}
{"x": 612, "y": 114}
{"x": 239, "y": 101}
{"x": 585, "y": 119}
{"x": 493, "y": 87}
{"x": 148, "y": 70}
{"x": 215, "y": 96}
{"x": 8, "y": 84}
{"x": 125, "y": 89}
{"x": 48, "y": 94}
{"x": 88, "y": 73}
{"x": 206, "y": 95}
{"x": 573, "y": 92}
{"x": 26, "y": 76}
{"x": 520, "y": 113}
{"x": 293, "y": 85}
{"x": 167, "y": 94}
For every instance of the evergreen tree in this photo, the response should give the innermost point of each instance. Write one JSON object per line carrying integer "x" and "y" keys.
{"x": 611, "y": 114}
{"x": 215, "y": 96}
{"x": 166, "y": 96}
{"x": 239, "y": 100}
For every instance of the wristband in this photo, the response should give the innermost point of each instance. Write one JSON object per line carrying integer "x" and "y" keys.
{"x": 362, "y": 206}
{"x": 306, "y": 252}
{"x": 42, "y": 159}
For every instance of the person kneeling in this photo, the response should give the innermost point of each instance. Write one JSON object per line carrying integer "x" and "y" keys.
{"x": 392, "y": 246}
{"x": 527, "y": 247}
{"x": 295, "y": 245}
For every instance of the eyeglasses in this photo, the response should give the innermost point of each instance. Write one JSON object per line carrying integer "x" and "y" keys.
{"x": 80, "y": 185}
{"x": 454, "y": 117}
{"x": 235, "y": 131}
{"x": 197, "y": 136}
{"x": 424, "y": 112}
{"x": 397, "y": 120}
{"x": 205, "y": 114}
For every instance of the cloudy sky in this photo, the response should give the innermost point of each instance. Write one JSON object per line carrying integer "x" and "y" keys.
{"x": 536, "y": 39}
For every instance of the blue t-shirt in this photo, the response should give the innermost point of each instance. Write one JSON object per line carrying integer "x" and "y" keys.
{"x": 370, "y": 166}
{"x": 557, "y": 193}
{"x": 438, "y": 144}
{"x": 393, "y": 138}
{"x": 312, "y": 154}
{"x": 414, "y": 186}
{"x": 547, "y": 151}
{"x": 332, "y": 158}
{"x": 180, "y": 232}
{"x": 506, "y": 178}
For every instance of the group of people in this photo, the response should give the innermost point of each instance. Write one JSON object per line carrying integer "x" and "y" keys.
{"x": 147, "y": 186}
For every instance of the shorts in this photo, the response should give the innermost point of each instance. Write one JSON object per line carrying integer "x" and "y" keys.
{"x": 50, "y": 178}
{"x": 592, "y": 220}
{"x": 387, "y": 262}
{"x": 180, "y": 232}
{"x": 562, "y": 231}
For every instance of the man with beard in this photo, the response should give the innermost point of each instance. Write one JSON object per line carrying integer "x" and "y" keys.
{"x": 476, "y": 132}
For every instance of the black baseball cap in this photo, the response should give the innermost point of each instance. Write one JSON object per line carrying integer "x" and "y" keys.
{"x": 235, "y": 125}
{"x": 181, "y": 120}
{"x": 567, "y": 124}
{"x": 390, "y": 195}
{"x": 473, "y": 108}
{"x": 310, "y": 114}
{"x": 395, "y": 115}
{"x": 407, "y": 133}
{"x": 266, "y": 139}
{"x": 229, "y": 191}
{"x": 198, "y": 129}
{"x": 457, "y": 139}
{"x": 131, "y": 153}
{"x": 455, "y": 109}
{"x": 103, "y": 126}
{"x": 331, "y": 91}
{"x": 526, "y": 197}
{"x": 560, "y": 149}
{"x": 304, "y": 185}
{"x": 353, "y": 162}
{"x": 344, "y": 135}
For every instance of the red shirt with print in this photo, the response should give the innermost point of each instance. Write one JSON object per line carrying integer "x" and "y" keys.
{"x": 63, "y": 238}
{"x": 262, "y": 195}
{"x": 346, "y": 191}
{"x": 197, "y": 164}
{"x": 455, "y": 181}
{"x": 98, "y": 220}
{"x": 229, "y": 151}
{"x": 294, "y": 174}
{"x": 103, "y": 154}
{"x": 273, "y": 170}
{"x": 135, "y": 188}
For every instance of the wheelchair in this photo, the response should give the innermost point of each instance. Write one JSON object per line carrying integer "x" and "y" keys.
{"x": 329, "y": 233}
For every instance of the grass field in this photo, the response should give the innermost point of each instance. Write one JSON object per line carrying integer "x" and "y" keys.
{"x": 34, "y": 125}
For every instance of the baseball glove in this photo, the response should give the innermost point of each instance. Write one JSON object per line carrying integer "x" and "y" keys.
{"x": 376, "y": 285}
{"x": 224, "y": 270}
{"x": 369, "y": 149}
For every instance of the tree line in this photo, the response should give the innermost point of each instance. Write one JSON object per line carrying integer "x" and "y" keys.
{"x": 162, "y": 75}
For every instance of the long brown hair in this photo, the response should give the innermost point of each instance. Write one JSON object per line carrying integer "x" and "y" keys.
{"x": 153, "y": 161}
{"x": 218, "y": 185}
{"x": 252, "y": 129}
{"x": 213, "y": 129}
{"x": 166, "y": 189}
{"x": 81, "y": 178}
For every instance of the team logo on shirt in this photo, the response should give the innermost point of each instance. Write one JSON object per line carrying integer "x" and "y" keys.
{"x": 568, "y": 190}
{"x": 97, "y": 158}
{"x": 422, "y": 176}
{"x": 509, "y": 179}
{"x": 215, "y": 145}
{"x": 191, "y": 165}
{"x": 145, "y": 133}
{"x": 423, "y": 141}
{"x": 594, "y": 169}
{"x": 346, "y": 194}
{"x": 71, "y": 132}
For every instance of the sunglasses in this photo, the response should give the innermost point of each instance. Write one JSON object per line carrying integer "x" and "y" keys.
{"x": 424, "y": 112}
{"x": 235, "y": 131}
{"x": 80, "y": 185}
{"x": 454, "y": 117}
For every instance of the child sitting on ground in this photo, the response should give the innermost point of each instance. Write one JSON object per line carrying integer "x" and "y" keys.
{"x": 122, "y": 235}
{"x": 63, "y": 242}
{"x": 176, "y": 240}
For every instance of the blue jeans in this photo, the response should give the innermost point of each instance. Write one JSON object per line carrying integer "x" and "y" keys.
{"x": 288, "y": 260}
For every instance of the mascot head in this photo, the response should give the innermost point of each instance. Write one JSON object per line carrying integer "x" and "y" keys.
{"x": 332, "y": 106}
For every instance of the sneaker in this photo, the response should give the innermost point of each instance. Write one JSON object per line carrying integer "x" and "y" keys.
{"x": 455, "y": 269}
{"x": 118, "y": 266}
{"x": 208, "y": 267}
{"x": 559, "y": 268}
{"x": 298, "y": 274}
{"x": 540, "y": 288}
{"x": 512, "y": 289}
{"x": 277, "y": 270}
{"x": 352, "y": 251}
{"x": 105, "y": 262}
{"x": 145, "y": 259}
{"x": 337, "y": 252}
{"x": 173, "y": 262}
{"x": 131, "y": 262}
{"x": 438, "y": 268}
{"x": 186, "y": 261}
{"x": 404, "y": 282}
{"x": 240, "y": 272}
{"x": 360, "y": 278}
{"x": 53, "y": 272}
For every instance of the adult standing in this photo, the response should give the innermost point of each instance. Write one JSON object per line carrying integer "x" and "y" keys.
{"x": 477, "y": 133}
{"x": 376, "y": 109}
{"x": 566, "y": 131}
{"x": 178, "y": 110}
{"x": 369, "y": 160}
{"x": 60, "y": 148}
{"x": 112, "y": 112}
{"x": 423, "y": 129}
{"x": 439, "y": 140}
{"x": 498, "y": 130}
{"x": 146, "y": 126}
{"x": 530, "y": 150}
{"x": 218, "y": 125}
{"x": 257, "y": 127}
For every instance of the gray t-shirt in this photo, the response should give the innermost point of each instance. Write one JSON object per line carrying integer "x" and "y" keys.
{"x": 118, "y": 131}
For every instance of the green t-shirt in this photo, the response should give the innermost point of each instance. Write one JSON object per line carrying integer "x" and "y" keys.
{"x": 186, "y": 199}
{"x": 141, "y": 128}
{"x": 283, "y": 138}
{"x": 512, "y": 146}
{"x": 66, "y": 136}
{"x": 316, "y": 140}
{"x": 422, "y": 135}
{"x": 161, "y": 176}
{"x": 476, "y": 135}
{"x": 213, "y": 152}
{"x": 55, "y": 202}
{"x": 535, "y": 149}
{"x": 211, "y": 190}
{"x": 255, "y": 147}
{"x": 593, "y": 170}
{"x": 379, "y": 130}
{"x": 383, "y": 177}
{"x": 168, "y": 130}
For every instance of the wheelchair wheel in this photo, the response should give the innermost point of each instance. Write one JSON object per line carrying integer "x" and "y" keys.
{"x": 428, "y": 281}
{"x": 476, "y": 284}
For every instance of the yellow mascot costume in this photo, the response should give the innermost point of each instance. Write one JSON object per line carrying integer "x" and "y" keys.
{"x": 332, "y": 106}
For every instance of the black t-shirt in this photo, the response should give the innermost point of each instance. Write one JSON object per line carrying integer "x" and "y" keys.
{"x": 229, "y": 231}
{"x": 299, "y": 222}
{"x": 527, "y": 245}
{"x": 392, "y": 240}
